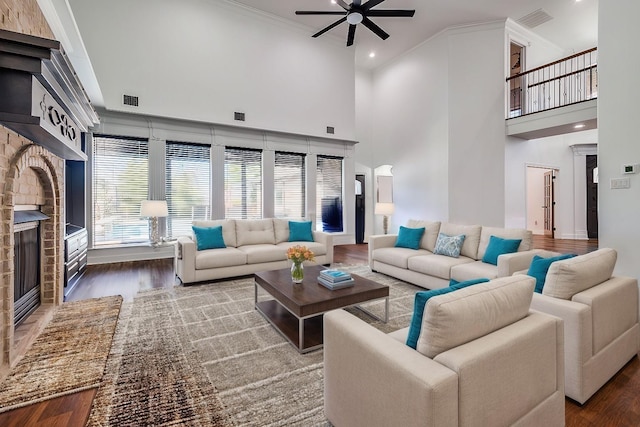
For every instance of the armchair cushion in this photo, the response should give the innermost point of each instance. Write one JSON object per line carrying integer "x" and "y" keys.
{"x": 568, "y": 277}
{"x": 539, "y": 267}
{"x": 456, "y": 318}
{"x": 499, "y": 246}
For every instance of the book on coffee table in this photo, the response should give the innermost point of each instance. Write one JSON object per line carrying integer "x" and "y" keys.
{"x": 335, "y": 276}
{"x": 337, "y": 285}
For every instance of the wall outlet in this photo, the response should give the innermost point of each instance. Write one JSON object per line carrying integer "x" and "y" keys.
{"x": 620, "y": 183}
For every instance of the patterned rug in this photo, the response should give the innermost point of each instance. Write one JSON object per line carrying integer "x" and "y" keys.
{"x": 205, "y": 351}
{"x": 68, "y": 356}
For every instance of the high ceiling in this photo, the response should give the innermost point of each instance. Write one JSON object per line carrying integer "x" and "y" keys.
{"x": 573, "y": 27}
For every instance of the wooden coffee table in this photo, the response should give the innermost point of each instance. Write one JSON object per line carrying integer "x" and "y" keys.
{"x": 296, "y": 309}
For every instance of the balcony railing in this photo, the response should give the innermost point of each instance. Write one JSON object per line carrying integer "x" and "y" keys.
{"x": 564, "y": 82}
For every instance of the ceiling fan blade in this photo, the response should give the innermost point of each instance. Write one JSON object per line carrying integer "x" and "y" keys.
{"x": 373, "y": 27}
{"x": 317, "y": 12}
{"x": 372, "y": 3}
{"x": 391, "y": 13}
{"x": 343, "y": 5}
{"x": 352, "y": 34}
{"x": 335, "y": 24}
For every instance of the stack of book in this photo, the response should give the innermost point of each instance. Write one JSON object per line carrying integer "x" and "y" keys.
{"x": 335, "y": 279}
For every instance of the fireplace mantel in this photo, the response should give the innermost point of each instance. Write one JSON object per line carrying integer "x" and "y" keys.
{"x": 43, "y": 99}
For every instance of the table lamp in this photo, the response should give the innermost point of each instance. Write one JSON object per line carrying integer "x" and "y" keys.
{"x": 384, "y": 209}
{"x": 154, "y": 209}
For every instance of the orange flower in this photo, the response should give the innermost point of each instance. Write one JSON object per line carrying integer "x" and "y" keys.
{"x": 299, "y": 254}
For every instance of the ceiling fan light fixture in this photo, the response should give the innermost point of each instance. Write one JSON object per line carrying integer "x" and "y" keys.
{"x": 354, "y": 18}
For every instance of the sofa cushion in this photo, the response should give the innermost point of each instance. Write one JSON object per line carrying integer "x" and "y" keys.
{"x": 228, "y": 229}
{"x": 506, "y": 233}
{"x": 570, "y": 276}
{"x": 471, "y": 237}
{"x": 474, "y": 269}
{"x": 409, "y": 237}
{"x": 208, "y": 237}
{"x": 449, "y": 245}
{"x": 431, "y": 230}
{"x": 300, "y": 231}
{"x": 398, "y": 257}
{"x": 215, "y": 258}
{"x": 435, "y": 265}
{"x": 539, "y": 267}
{"x": 255, "y": 232}
{"x": 315, "y": 247}
{"x": 260, "y": 253}
{"x": 458, "y": 317}
{"x": 419, "y": 302}
{"x": 499, "y": 246}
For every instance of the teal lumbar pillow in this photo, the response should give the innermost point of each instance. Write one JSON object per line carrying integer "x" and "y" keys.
{"x": 409, "y": 237}
{"x": 498, "y": 246}
{"x": 420, "y": 302}
{"x": 449, "y": 245}
{"x": 208, "y": 237}
{"x": 300, "y": 231}
{"x": 539, "y": 267}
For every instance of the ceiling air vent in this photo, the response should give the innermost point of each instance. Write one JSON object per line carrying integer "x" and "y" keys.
{"x": 130, "y": 100}
{"x": 535, "y": 18}
{"x": 238, "y": 116}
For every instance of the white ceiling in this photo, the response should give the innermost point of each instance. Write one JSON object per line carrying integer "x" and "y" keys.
{"x": 574, "y": 26}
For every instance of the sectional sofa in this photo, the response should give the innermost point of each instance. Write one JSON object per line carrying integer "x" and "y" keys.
{"x": 249, "y": 246}
{"x": 424, "y": 268}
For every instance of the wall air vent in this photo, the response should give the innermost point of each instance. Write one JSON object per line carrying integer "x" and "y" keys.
{"x": 535, "y": 18}
{"x": 331, "y": 130}
{"x": 130, "y": 100}
{"x": 238, "y": 116}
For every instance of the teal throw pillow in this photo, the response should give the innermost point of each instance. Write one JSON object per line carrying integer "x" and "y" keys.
{"x": 419, "y": 303}
{"x": 409, "y": 237}
{"x": 300, "y": 231}
{"x": 539, "y": 267}
{"x": 498, "y": 246}
{"x": 449, "y": 245}
{"x": 209, "y": 237}
{"x": 464, "y": 284}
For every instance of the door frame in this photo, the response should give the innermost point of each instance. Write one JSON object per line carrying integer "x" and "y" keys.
{"x": 556, "y": 173}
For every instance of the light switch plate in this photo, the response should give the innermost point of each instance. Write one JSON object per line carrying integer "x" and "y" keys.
{"x": 620, "y": 183}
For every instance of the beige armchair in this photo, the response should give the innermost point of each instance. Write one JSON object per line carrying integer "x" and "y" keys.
{"x": 482, "y": 359}
{"x": 600, "y": 314}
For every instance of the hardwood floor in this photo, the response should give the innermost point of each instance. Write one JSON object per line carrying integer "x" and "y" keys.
{"x": 617, "y": 403}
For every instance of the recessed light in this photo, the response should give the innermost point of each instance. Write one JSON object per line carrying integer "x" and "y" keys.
{"x": 579, "y": 126}
{"x": 372, "y": 54}
{"x": 334, "y": 2}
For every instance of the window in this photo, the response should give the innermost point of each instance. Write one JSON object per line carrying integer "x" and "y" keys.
{"x": 329, "y": 194}
{"x": 120, "y": 184}
{"x": 242, "y": 183}
{"x": 187, "y": 186}
{"x": 289, "y": 181}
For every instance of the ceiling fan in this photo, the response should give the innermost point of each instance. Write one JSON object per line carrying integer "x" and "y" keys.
{"x": 357, "y": 13}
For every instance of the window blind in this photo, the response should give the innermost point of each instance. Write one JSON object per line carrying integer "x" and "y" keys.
{"x": 242, "y": 183}
{"x": 289, "y": 181}
{"x": 329, "y": 194}
{"x": 187, "y": 186}
{"x": 120, "y": 183}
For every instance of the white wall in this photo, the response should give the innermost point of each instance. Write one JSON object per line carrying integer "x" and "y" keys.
{"x": 204, "y": 59}
{"x": 618, "y": 111}
{"x": 363, "y": 150}
{"x": 410, "y": 131}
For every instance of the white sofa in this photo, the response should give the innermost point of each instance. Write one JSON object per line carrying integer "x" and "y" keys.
{"x": 424, "y": 268}
{"x": 252, "y": 245}
{"x": 467, "y": 369}
{"x": 600, "y": 314}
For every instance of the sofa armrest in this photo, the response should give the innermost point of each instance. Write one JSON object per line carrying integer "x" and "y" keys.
{"x": 614, "y": 307}
{"x": 517, "y": 261}
{"x": 372, "y": 379}
{"x": 380, "y": 241}
{"x": 327, "y": 240}
{"x": 186, "y": 259}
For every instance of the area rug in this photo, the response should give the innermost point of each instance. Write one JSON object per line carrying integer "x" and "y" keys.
{"x": 68, "y": 356}
{"x": 205, "y": 350}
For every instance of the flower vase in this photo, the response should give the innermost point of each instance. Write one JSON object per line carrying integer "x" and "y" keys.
{"x": 297, "y": 272}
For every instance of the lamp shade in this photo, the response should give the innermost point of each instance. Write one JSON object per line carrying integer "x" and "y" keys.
{"x": 154, "y": 208}
{"x": 384, "y": 209}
